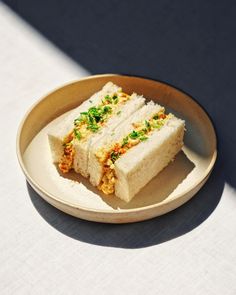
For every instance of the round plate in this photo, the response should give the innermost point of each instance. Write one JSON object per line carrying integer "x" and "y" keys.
{"x": 73, "y": 194}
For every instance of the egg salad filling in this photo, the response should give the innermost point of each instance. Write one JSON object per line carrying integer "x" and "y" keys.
{"x": 90, "y": 122}
{"x": 142, "y": 130}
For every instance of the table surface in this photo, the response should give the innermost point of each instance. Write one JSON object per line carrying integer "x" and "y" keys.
{"x": 44, "y": 251}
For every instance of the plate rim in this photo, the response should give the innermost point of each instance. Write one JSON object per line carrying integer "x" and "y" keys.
{"x": 39, "y": 188}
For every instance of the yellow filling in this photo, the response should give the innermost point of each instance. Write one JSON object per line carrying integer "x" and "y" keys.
{"x": 90, "y": 122}
{"x": 142, "y": 130}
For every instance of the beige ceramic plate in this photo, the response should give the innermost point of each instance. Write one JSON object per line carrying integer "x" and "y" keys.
{"x": 175, "y": 185}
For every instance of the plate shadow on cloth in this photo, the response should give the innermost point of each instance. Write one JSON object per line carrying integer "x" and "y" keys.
{"x": 141, "y": 234}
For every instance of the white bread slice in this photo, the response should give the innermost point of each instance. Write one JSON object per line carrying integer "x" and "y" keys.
{"x": 95, "y": 168}
{"x": 81, "y": 158}
{"x": 145, "y": 160}
{"x": 57, "y": 134}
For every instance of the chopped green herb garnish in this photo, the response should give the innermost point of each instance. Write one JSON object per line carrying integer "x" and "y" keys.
{"x": 141, "y": 133}
{"x": 107, "y": 109}
{"x": 143, "y": 138}
{"x": 125, "y": 141}
{"x": 114, "y": 156}
{"x": 134, "y": 134}
{"x": 144, "y": 130}
{"x": 157, "y": 125}
{"x": 108, "y": 98}
{"x": 97, "y": 118}
{"x": 90, "y": 101}
{"x": 148, "y": 125}
{"x": 77, "y": 134}
{"x": 115, "y": 99}
{"x": 76, "y": 121}
{"x": 118, "y": 113}
{"x": 91, "y": 118}
{"x": 93, "y": 127}
{"x": 94, "y": 113}
{"x": 81, "y": 118}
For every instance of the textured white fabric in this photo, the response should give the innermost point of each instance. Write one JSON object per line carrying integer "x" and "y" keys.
{"x": 43, "y": 251}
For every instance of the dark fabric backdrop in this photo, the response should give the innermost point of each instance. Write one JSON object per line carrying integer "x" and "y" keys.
{"x": 189, "y": 44}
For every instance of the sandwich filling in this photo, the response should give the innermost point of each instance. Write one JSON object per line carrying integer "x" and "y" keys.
{"x": 141, "y": 132}
{"x": 88, "y": 123}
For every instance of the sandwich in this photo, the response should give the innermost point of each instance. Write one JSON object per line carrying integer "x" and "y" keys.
{"x": 85, "y": 125}
{"x": 128, "y": 158}
{"x": 117, "y": 141}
